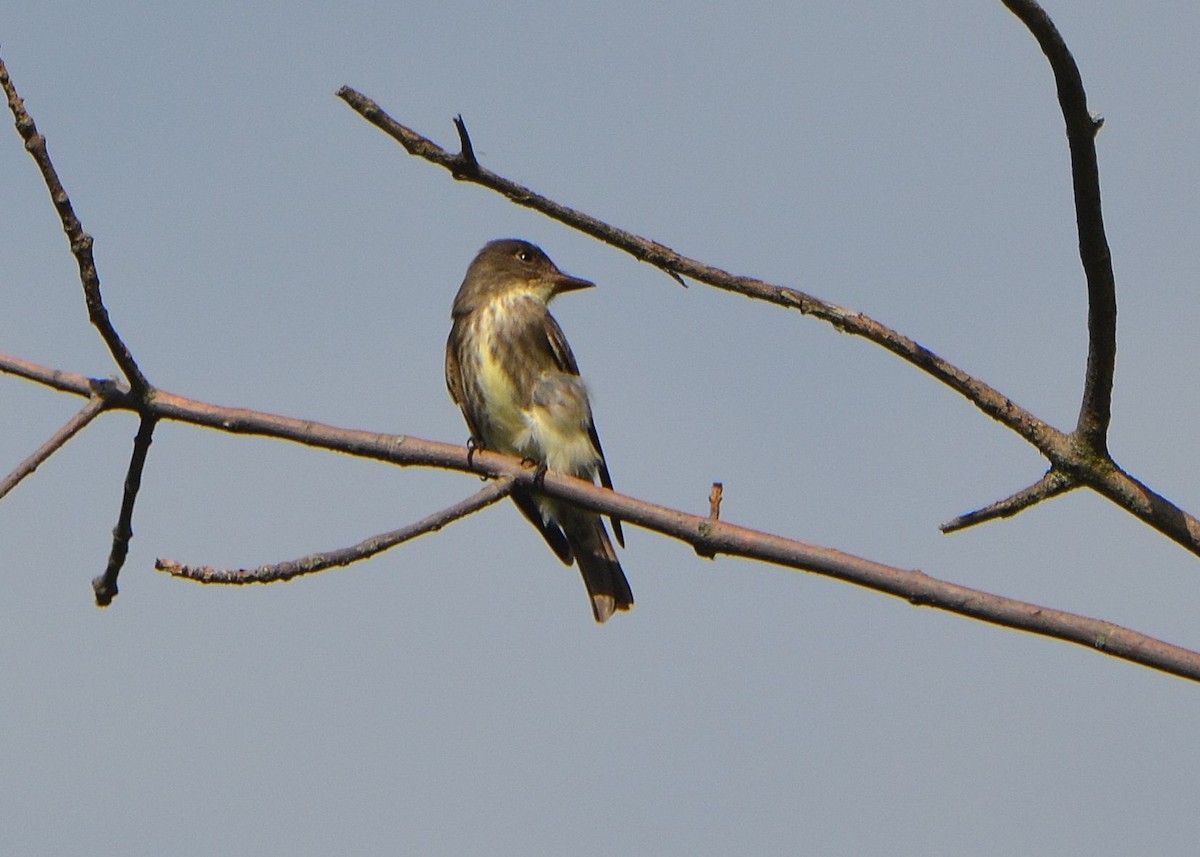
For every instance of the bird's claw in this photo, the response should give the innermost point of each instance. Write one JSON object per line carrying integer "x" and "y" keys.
{"x": 473, "y": 445}
{"x": 539, "y": 475}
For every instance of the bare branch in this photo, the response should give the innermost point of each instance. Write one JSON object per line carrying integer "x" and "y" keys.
{"x": 710, "y": 536}
{"x": 1050, "y": 485}
{"x": 313, "y": 563}
{"x": 1095, "y": 413}
{"x": 51, "y": 446}
{"x": 55, "y": 379}
{"x": 707, "y": 536}
{"x": 81, "y": 242}
{"x": 990, "y": 401}
{"x": 105, "y": 586}
{"x": 922, "y": 590}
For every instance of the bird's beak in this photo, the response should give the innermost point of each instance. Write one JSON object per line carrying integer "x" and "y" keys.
{"x": 566, "y": 283}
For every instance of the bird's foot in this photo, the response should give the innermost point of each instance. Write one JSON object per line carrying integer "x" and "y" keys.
{"x": 539, "y": 476}
{"x": 473, "y": 445}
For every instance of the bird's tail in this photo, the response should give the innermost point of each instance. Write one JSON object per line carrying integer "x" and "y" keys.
{"x": 602, "y": 574}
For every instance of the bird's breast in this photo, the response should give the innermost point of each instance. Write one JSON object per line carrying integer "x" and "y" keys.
{"x": 491, "y": 351}
{"x": 523, "y": 402}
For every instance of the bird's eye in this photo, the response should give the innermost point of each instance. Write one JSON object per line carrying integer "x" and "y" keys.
{"x": 524, "y": 255}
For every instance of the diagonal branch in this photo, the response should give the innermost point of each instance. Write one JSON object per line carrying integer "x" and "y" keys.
{"x": 1045, "y": 437}
{"x": 1055, "y": 482}
{"x": 708, "y": 536}
{"x": 58, "y": 379}
{"x": 56, "y": 442}
{"x": 81, "y": 242}
{"x": 485, "y": 496}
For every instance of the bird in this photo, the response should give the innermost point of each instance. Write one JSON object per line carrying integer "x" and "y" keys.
{"x": 510, "y": 370}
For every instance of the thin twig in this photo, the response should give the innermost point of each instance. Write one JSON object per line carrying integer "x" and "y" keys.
{"x": 486, "y": 496}
{"x": 1050, "y": 485}
{"x": 105, "y": 586}
{"x": 468, "y": 163}
{"x": 51, "y": 446}
{"x": 714, "y": 500}
{"x": 55, "y": 379}
{"x": 714, "y": 513}
{"x": 80, "y": 241}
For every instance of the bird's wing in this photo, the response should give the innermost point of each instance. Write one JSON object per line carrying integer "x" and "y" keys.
{"x": 566, "y": 362}
{"x": 606, "y": 481}
{"x": 559, "y": 348}
{"x": 454, "y": 381}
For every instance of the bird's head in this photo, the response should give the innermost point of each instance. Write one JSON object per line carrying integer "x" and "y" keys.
{"x": 510, "y": 266}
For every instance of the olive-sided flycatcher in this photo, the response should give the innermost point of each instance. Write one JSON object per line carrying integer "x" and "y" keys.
{"x": 509, "y": 368}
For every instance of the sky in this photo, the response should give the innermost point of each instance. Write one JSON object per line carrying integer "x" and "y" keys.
{"x": 260, "y": 245}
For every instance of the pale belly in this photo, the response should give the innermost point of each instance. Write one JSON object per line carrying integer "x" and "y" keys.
{"x": 554, "y": 429}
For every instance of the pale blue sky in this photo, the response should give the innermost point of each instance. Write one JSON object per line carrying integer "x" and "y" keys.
{"x": 260, "y": 245}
